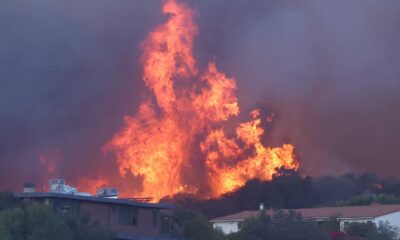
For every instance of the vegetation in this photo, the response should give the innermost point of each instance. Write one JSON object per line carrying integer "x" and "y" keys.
{"x": 7, "y": 200}
{"x": 37, "y": 222}
{"x": 369, "y": 231}
{"x": 331, "y": 225}
{"x": 368, "y": 199}
{"x": 193, "y": 225}
{"x": 84, "y": 229}
{"x": 281, "y": 226}
{"x": 289, "y": 189}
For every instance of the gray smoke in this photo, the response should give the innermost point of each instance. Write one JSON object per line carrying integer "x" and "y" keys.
{"x": 70, "y": 71}
{"x": 329, "y": 70}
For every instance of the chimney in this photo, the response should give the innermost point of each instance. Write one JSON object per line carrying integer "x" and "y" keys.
{"x": 261, "y": 206}
{"x": 29, "y": 188}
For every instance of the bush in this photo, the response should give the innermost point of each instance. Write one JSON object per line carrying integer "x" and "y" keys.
{"x": 193, "y": 225}
{"x": 39, "y": 222}
{"x": 43, "y": 223}
{"x": 369, "y": 231}
{"x": 83, "y": 229}
{"x": 7, "y": 201}
{"x": 12, "y": 224}
{"x": 281, "y": 226}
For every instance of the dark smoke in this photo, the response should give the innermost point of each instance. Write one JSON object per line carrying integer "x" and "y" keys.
{"x": 328, "y": 69}
{"x": 70, "y": 71}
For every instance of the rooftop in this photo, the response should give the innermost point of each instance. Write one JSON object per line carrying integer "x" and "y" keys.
{"x": 94, "y": 199}
{"x": 370, "y": 211}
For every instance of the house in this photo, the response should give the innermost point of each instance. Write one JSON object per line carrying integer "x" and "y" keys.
{"x": 378, "y": 214}
{"x": 129, "y": 220}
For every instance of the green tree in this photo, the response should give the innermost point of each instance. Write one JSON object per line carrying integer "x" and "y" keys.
{"x": 330, "y": 225}
{"x": 356, "y": 201}
{"x": 84, "y": 229}
{"x": 43, "y": 223}
{"x": 361, "y": 229}
{"x": 281, "y": 226}
{"x": 12, "y": 224}
{"x": 5, "y": 234}
{"x": 193, "y": 225}
{"x": 369, "y": 231}
{"x": 39, "y": 222}
{"x": 7, "y": 200}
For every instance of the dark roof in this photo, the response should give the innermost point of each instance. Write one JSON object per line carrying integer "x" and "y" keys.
{"x": 94, "y": 199}
{"x": 369, "y": 211}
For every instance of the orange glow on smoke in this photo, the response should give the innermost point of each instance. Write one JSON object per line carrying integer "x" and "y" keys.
{"x": 49, "y": 161}
{"x": 187, "y": 116}
{"x": 91, "y": 185}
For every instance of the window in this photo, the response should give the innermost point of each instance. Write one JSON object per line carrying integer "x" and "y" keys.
{"x": 165, "y": 225}
{"x": 346, "y": 226}
{"x": 155, "y": 219}
{"x": 134, "y": 216}
{"x": 123, "y": 215}
{"x": 127, "y": 215}
{"x": 240, "y": 225}
{"x": 381, "y": 223}
{"x": 66, "y": 207}
{"x": 219, "y": 228}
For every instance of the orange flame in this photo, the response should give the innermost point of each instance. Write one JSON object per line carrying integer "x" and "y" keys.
{"x": 157, "y": 144}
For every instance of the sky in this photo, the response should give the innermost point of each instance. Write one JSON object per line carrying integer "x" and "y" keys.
{"x": 329, "y": 70}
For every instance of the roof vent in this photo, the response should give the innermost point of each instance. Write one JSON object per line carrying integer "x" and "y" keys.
{"x": 60, "y": 186}
{"x": 107, "y": 193}
{"x": 29, "y": 188}
{"x": 261, "y": 206}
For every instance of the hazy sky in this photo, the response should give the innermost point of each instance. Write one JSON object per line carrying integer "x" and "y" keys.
{"x": 330, "y": 70}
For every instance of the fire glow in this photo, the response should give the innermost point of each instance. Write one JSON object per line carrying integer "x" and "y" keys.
{"x": 186, "y": 117}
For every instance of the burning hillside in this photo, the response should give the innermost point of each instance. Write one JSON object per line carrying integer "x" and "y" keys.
{"x": 183, "y": 122}
{"x": 203, "y": 78}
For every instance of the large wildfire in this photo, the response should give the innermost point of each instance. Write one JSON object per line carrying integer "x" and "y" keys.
{"x": 184, "y": 124}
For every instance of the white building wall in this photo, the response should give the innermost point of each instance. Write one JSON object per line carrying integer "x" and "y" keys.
{"x": 227, "y": 227}
{"x": 392, "y": 218}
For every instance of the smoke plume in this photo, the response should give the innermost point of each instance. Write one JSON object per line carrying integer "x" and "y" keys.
{"x": 70, "y": 72}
